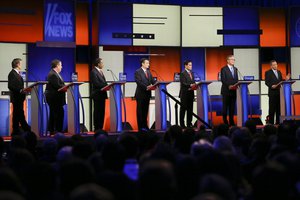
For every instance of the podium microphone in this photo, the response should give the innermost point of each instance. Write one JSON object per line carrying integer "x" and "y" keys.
{"x": 158, "y": 76}
{"x": 115, "y": 78}
{"x": 239, "y": 74}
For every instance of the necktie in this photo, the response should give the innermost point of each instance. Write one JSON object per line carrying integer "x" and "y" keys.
{"x": 101, "y": 73}
{"x": 276, "y": 74}
{"x": 190, "y": 75}
{"x": 232, "y": 71}
{"x": 60, "y": 77}
{"x": 146, "y": 74}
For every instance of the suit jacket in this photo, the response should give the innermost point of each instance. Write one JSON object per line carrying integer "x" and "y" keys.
{"x": 15, "y": 85}
{"x": 185, "y": 82}
{"x": 54, "y": 83}
{"x": 98, "y": 82}
{"x": 227, "y": 80}
{"x": 142, "y": 82}
{"x": 271, "y": 79}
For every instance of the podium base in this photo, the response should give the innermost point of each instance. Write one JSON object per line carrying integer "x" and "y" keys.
{"x": 153, "y": 125}
{"x": 257, "y": 121}
{"x": 126, "y": 126}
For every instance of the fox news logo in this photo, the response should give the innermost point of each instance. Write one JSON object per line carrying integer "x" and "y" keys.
{"x": 58, "y": 24}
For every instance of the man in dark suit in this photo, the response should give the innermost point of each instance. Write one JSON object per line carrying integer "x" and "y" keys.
{"x": 98, "y": 82}
{"x": 272, "y": 77}
{"x": 229, "y": 77}
{"x": 186, "y": 94}
{"x": 55, "y": 99}
{"x": 144, "y": 81}
{"x": 17, "y": 96}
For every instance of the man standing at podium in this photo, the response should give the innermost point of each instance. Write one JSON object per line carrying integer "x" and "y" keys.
{"x": 229, "y": 77}
{"x": 98, "y": 82}
{"x": 17, "y": 96}
{"x": 272, "y": 77}
{"x": 186, "y": 94}
{"x": 144, "y": 81}
{"x": 55, "y": 99}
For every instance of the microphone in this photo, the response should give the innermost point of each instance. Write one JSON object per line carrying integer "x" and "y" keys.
{"x": 200, "y": 78}
{"x": 113, "y": 75}
{"x": 240, "y": 75}
{"x": 158, "y": 76}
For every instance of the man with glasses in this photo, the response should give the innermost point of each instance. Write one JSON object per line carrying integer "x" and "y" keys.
{"x": 229, "y": 77}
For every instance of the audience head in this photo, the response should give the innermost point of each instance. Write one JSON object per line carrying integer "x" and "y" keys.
{"x": 157, "y": 181}
{"x": 91, "y": 191}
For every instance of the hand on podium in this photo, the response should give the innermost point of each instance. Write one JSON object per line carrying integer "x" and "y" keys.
{"x": 151, "y": 87}
{"x": 288, "y": 77}
{"x": 25, "y": 90}
{"x": 232, "y": 87}
{"x": 193, "y": 86}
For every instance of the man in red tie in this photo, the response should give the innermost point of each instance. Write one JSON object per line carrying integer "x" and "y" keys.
{"x": 186, "y": 94}
{"x": 17, "y": 96}
{"x": 144, "y": 81}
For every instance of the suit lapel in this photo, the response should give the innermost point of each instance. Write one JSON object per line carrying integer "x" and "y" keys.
{"x": 100, "y": 76}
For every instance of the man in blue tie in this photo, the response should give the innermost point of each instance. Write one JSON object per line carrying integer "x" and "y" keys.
{"x": 229, "y": 77}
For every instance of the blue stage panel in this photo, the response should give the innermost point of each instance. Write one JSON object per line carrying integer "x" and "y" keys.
{"x": 295, "y": 26}
{"x": 131, "y": 64}
{"x": 4, "y": 117}
{"x": 254, "y": 101}
{"x": 197, "y": 56}
{"x": 115, "y": 18}
{"x": 241, "y": 19}
{"x": 39, "y": 62}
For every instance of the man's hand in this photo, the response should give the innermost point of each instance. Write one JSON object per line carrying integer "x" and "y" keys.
{"x": 193, "y": 86}
{"x": 151, "y": 87}
{"x": 274, "y": 86}
{"x": 288, "y": 77}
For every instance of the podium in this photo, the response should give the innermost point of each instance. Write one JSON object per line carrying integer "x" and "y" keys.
{"x": 115, "y": 96}
{"x": 202, "y": 100}
{"x": 37, "y": 108}
{"x": 285, "y": 99}
{"x": 242, "y": 101}
{"x": 73, "y": 97}
{"x": 160, "y": 105}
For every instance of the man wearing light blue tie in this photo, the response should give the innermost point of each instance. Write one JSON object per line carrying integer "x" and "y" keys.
{"x": 229, "y": 77}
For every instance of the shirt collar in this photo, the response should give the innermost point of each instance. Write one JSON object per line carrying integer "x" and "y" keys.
{"x": 230, "y": 66}
{"x": 188, "y": 71}
{"x": 144, "y": 69}
{"x": 17, "y": 70}
{"x": 99, "y": 70}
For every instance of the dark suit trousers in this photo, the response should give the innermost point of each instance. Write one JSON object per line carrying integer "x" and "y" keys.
{"x": 56, "y": 117}
{"x": 99, "y": 112}
{"x": 19, "y": 117}
{"x": 187, "y": 107}
{"x": 228, "y": 105}
{"x": 142, "y": 107}
{"x": 274, "y": 107}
